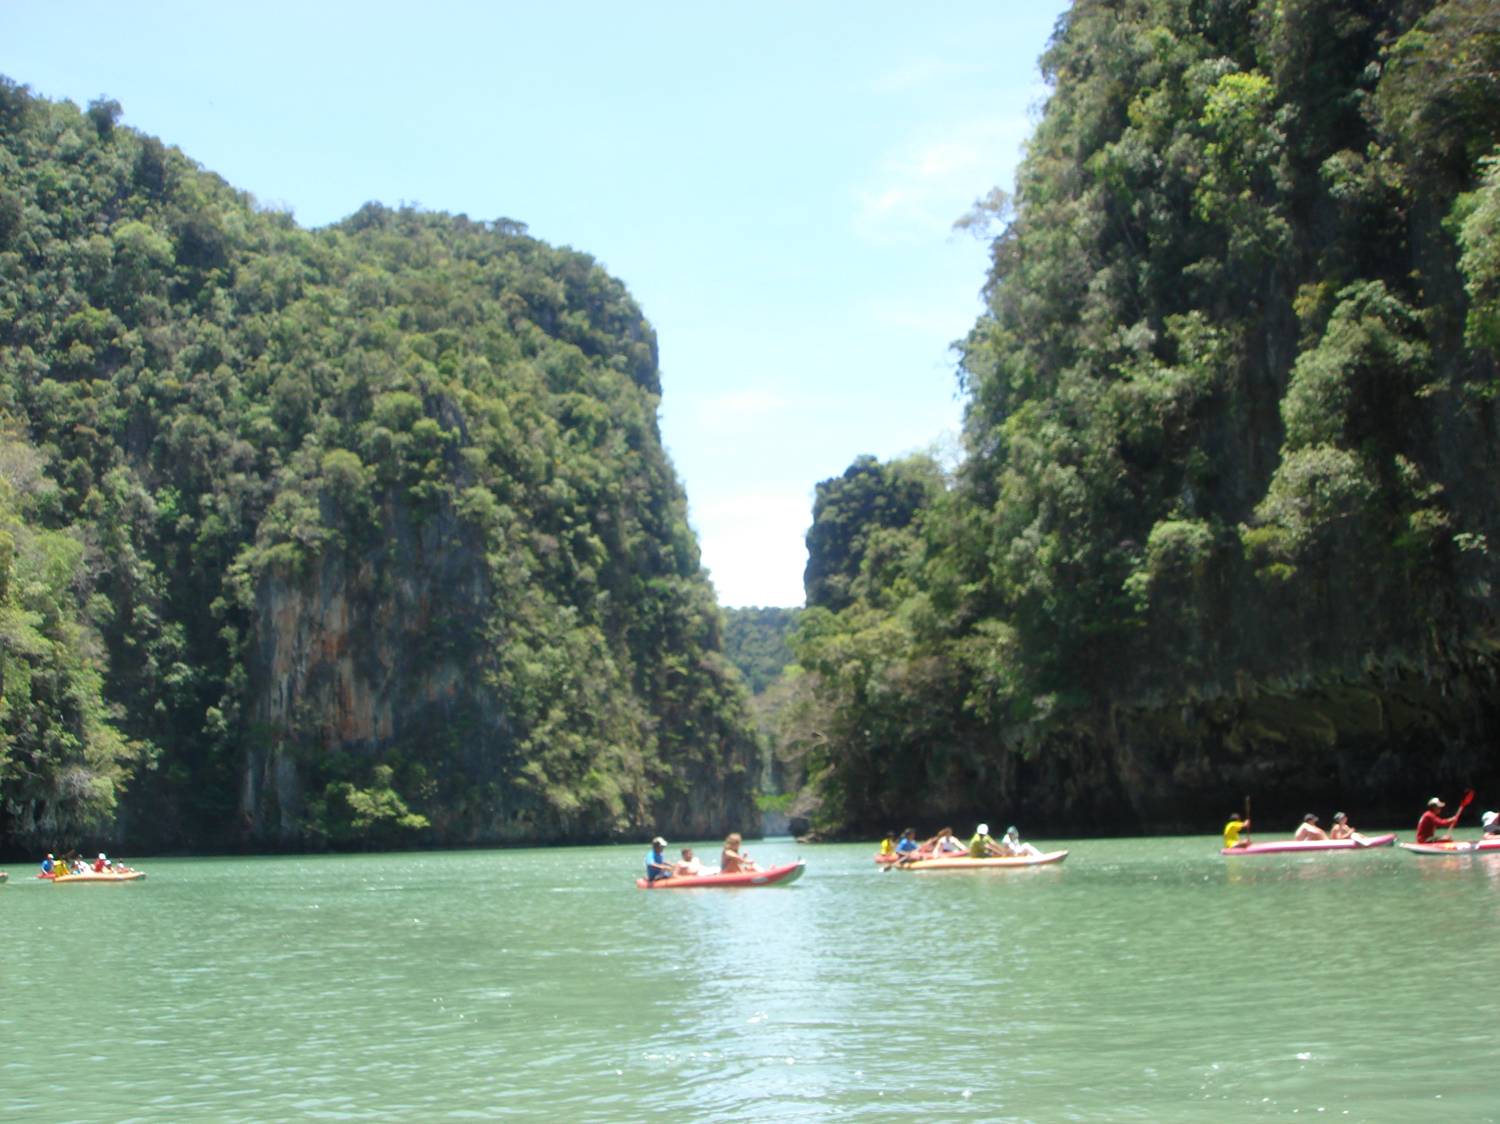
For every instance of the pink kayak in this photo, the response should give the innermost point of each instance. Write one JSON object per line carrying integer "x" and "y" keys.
{"x": 963, "y": 862}
{"x": 1490, "y": 845}
{"x": 788, "y": 872}
{"x": 1293, "y": 847}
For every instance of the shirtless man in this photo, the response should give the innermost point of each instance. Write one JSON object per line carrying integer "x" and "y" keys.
{"x": 1308, "y": 829}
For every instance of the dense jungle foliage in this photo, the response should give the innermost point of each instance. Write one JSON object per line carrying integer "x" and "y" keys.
{"x": 1226, "y": 520}
{"x": 756, "y": 640}
{"x": 346, "y": 536}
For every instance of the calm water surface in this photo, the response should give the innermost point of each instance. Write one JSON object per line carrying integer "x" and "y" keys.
{"x": 1143, "y": 980}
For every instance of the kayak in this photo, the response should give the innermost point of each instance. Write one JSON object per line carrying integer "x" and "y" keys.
{"x": 102, "y": 876}
{"x": 1294, "y": 847}
{"x": 1490, "y": 845}
{"x": 771, "y": 876}
{"x": 963, "y": 862}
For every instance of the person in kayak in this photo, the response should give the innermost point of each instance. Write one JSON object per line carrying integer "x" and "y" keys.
{"x": 1341, "y": 828}
{"x": 907, "y": 846}
{"x": 1432, "y": 819}
{"x": 1308, "y": 830}
{"x": 48, "y": 864}
{"x": 1232, "y": 831}
{"x": 943, "y": 844}
{"x": 1012, "y": 845}
{"x": 657, "y": 864}
{"x": 687, "y": 866}
{"x": 888, "y": 846}
{"x": 982, "y": 846}
{"x": 1490, "y": 822}
{"x": 731, "y": 859}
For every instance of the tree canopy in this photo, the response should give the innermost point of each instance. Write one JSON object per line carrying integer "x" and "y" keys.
{"x": 353, "y": 535}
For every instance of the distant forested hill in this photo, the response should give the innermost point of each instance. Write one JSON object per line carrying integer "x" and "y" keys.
{"x": 1226, "y": 521}
{"x": 755, "y": 641}
{"x": 350, "y": 536}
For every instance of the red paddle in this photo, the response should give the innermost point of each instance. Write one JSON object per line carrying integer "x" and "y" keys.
{"x": 1462, "y": 804}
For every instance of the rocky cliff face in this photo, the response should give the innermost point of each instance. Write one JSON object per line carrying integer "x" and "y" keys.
{"x": 406, "y": 655}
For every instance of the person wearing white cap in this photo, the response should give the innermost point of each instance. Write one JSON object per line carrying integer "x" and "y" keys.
{"x": 982, "y": 846}
{"x": 658, "y": 866}
{"x": 1432, "y": 819}
{"x": 1490, "y": 821}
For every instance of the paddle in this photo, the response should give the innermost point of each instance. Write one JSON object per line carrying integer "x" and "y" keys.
{"x": 1462, "y": 804}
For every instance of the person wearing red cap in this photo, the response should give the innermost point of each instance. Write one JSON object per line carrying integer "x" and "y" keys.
{"x": 1432, "y": 819}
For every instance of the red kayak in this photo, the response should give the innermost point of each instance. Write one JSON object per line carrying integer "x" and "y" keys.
{"x": 788, "y": 872}
{"x": 1489, "y": 845}
{"x": 1294, "y": 847}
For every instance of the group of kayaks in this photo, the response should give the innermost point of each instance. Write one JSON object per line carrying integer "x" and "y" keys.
{"x": 788, "y": 873}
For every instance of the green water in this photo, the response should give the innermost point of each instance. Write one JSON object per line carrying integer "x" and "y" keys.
{"x": 1143, "y": 980}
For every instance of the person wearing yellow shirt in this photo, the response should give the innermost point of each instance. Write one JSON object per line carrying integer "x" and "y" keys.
{"x": 982, "y": 846}
{"x": 1232, "y": 831}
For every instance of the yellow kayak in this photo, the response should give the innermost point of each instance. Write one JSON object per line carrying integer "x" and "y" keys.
{"x": 963, "y": 862}
{"x": 102, "y": 876}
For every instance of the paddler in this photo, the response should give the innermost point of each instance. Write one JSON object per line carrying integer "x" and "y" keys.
{"x": 1490, "y": 821}
{"x": 1432, "y": 819}
{"x": 1232, "y": 831}
{"x": 907, "y": 848}
{"x": 658, "y": 866}
{"x": 48, "y": 864}
{"x": 1308, "y": 830}
{"x": 687, "y": 866}
{"x": 982, "y": 846}
{"x": 731, "y": 859}
{"x": 1341, "y": 828}
{"x": 1012, "y": 845}
{"x": 944, "y": 843}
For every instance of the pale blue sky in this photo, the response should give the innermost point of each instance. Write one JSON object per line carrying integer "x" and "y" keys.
{"x": 774, "y": 182}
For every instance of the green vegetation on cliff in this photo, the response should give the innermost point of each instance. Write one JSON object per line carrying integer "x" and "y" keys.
{"x": 362, "y": 534}
{"x": 1226, "y": 519}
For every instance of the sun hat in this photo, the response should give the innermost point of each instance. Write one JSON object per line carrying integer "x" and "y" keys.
{"x": 1435, "y": 802}
{"x": 1011, "y": 831}
{"x": 1309, "y": 818}
{"x": 1339, "y": 817}
{"x": 1489, "y": 818}
{"x": 658, "y": 841}
{"x": 983, "y": 829}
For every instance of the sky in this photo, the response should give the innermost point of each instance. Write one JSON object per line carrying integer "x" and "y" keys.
{"x": 775, "y": 183}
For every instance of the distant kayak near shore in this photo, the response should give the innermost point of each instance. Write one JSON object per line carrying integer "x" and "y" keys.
{"x": 1293, "y": 846}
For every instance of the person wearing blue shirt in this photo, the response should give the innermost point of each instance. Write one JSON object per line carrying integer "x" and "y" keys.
{"x": 47, "y": 864}
{"x": 908, "y": 842}
{"x": 657, "y": 865}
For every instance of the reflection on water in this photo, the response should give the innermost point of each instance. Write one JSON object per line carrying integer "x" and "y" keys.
{"x": 1140, "y": 980}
